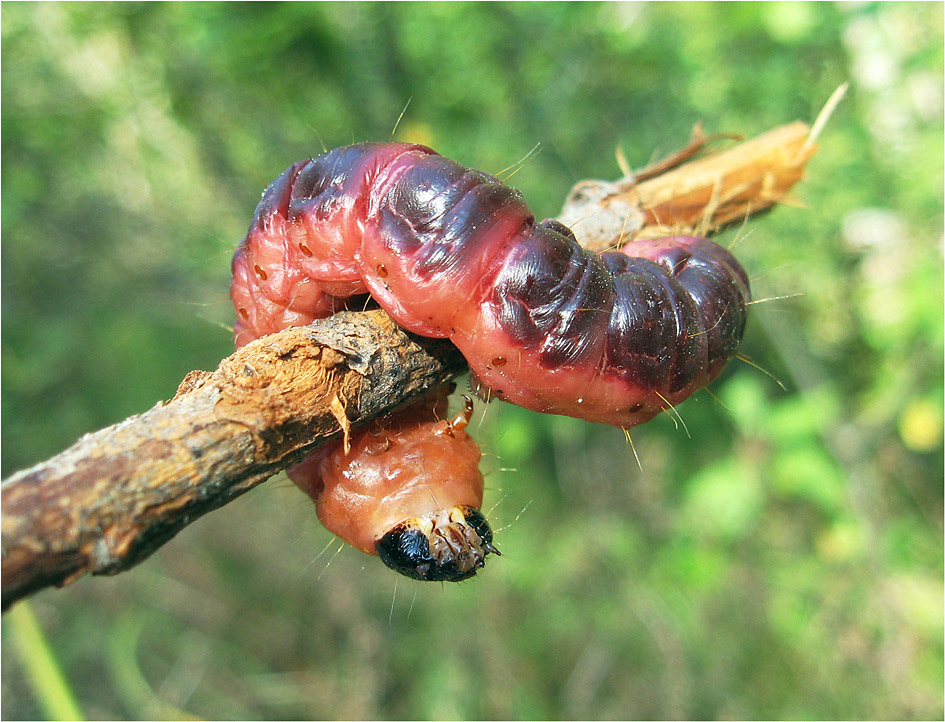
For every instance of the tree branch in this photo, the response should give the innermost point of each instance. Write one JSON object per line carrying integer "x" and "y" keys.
{"x": 699, "y": 196}
{"x": 118, "y": 494}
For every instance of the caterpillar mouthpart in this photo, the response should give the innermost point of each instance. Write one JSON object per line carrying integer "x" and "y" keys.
{"x": 449, "y": 545}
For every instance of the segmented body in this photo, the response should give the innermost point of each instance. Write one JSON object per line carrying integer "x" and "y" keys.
{"x": 451, "y": 252}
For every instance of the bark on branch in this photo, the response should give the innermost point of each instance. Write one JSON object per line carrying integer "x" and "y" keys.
{"x": 118, "y": 494}
{"x": 110, "y": 500}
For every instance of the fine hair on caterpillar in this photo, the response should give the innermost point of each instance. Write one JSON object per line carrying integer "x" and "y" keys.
{"x": 450, "y": 252}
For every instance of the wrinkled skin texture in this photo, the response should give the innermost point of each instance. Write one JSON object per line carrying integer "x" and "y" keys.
{"x": 450, "y": 252}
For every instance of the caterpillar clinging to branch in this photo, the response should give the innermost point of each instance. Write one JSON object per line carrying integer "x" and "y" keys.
{"x": 451, "y": 252}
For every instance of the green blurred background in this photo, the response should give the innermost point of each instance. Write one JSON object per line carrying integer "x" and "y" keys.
{"x": 784, "y": 560}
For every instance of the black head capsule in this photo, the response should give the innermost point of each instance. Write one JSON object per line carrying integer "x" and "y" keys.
{"x": 446, "y": 546}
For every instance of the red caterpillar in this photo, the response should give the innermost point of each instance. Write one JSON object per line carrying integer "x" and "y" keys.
{"x": 615, "y": 337}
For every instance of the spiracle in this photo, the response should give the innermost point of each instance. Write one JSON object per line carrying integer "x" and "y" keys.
{"x": 451, "y": 252}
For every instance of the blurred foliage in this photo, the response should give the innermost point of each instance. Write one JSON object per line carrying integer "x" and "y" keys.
{"x": 782, "y": 560}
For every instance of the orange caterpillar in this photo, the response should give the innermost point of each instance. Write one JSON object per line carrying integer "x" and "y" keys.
{"x": 409, "y": 490}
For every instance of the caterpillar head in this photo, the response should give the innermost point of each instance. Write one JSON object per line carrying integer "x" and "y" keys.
{"x": 445, "y": 546}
